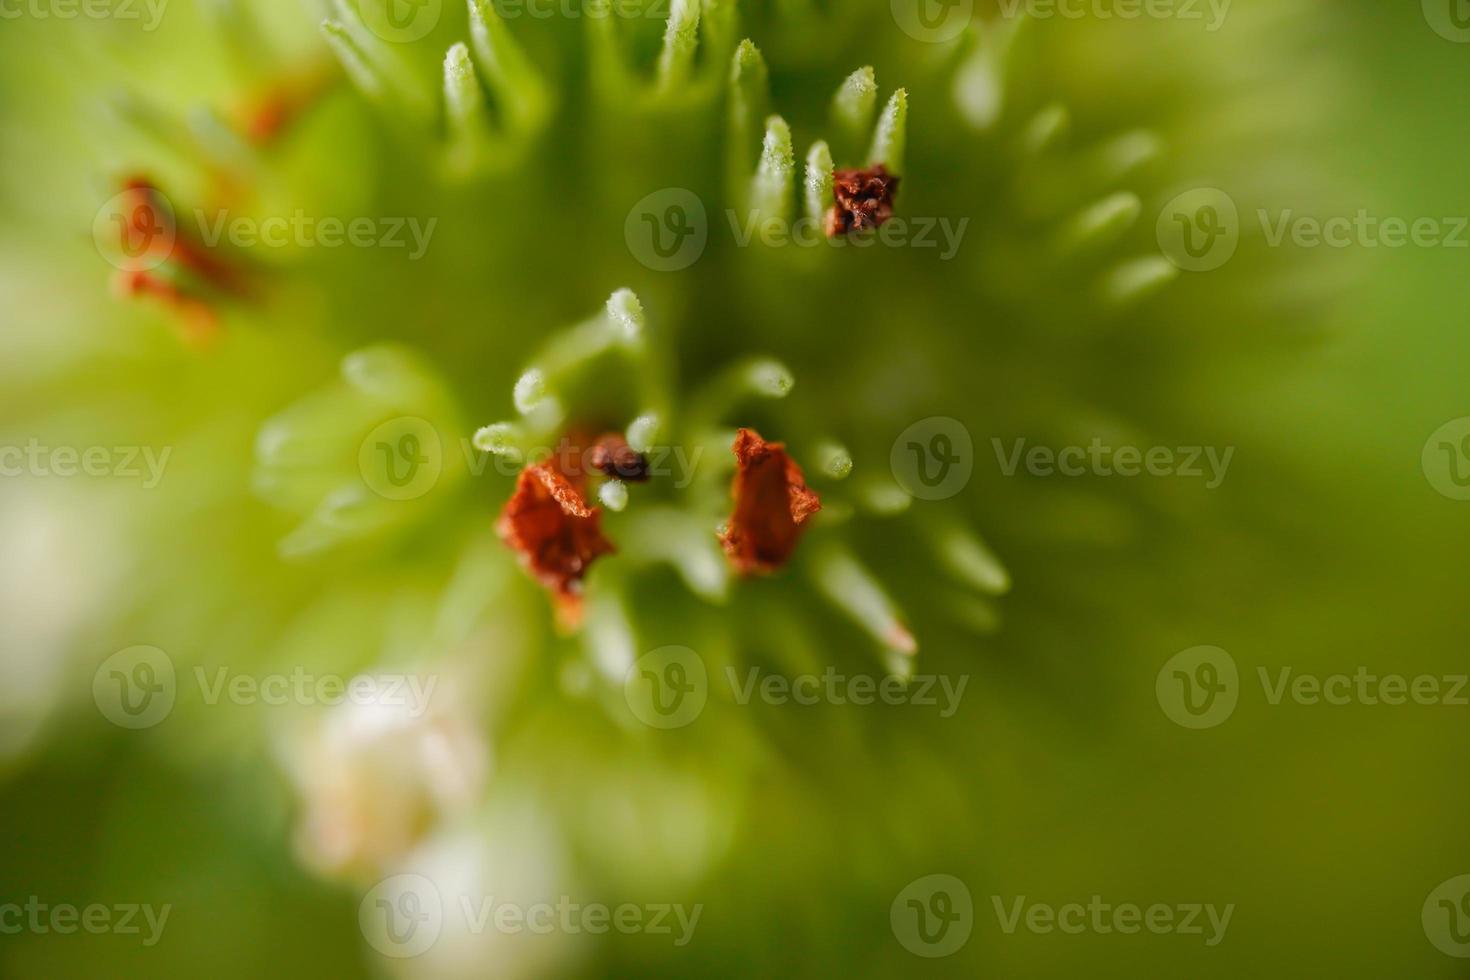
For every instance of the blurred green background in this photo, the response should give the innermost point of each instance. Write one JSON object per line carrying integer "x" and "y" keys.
{"x": 1060, "y": 778}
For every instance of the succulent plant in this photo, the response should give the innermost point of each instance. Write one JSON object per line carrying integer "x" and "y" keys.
{"x": 366, "y": 437}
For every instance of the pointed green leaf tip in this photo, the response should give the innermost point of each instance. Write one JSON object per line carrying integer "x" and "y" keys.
{"x": 749, "y": 95}
{"x": 750, "y": 84}
{"x": 770, "y": 195}
{"x": 891, "y": 136}
{"x": 819, "y": 195}
{"x": 353, "y": 61}
{"x": 854, "y": 104}
{"x": 1101, "y": 223}
{"x": 509, "y": 74}
{"x": 625, "y": 313}
{"x": 769, "y": 378}
{"x": 463, "y": 100}
{"x": 1047, "y": 128}
{"x": 681, "y": 38}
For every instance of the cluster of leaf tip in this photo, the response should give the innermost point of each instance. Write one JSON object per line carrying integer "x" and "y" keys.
{"x": 741, "y": 512}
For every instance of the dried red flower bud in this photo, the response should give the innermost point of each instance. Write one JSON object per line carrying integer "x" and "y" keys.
{"x": 149, "y": 212}
{"x": 612, "y": 456}
{"x": 772, "y": 502}
{"x": 557, "y": 536}
{"x": 863, "y": 200}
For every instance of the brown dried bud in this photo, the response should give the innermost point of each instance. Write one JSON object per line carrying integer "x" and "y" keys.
{"x": 863, "y": 200}
{"x": 612, "y": 456}
{"x": 772, "y": 502}
{"x": 557, "y": 536}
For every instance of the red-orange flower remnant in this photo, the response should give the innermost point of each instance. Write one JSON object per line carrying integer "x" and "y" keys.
{"x": 548, "y": 524}
{"x": 772, "y": 503}
{"x": 157, "y": 257}
{"x": 863, "y": 199}
{"x": 265, "y": 116}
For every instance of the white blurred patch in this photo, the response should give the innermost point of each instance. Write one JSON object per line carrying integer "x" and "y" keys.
{"x": 512, "y": 857}
{"x": 52, "y": 577}
{"x": 373, "y": 779}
